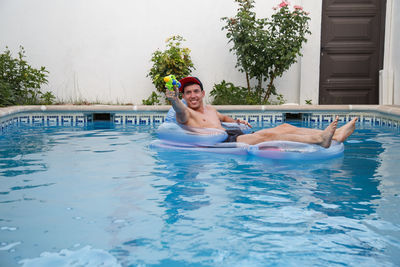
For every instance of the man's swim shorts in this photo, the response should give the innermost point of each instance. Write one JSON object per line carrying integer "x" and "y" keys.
{"x": 232, "y": 135}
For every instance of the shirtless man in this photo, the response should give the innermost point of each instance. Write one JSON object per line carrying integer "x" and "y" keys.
{"x": 196, "y": 114}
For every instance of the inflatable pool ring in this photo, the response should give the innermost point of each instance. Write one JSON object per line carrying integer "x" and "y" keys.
{"x": 171, "y": 132}
{"x": 295, "y": 151}
{"x": 178, "y": 137}
{"x": 171, "y": 118}
{"x": 220, "y": 148}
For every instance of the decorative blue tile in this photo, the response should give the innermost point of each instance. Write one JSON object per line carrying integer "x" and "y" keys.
{"x": 266, "y": 118}
{"x": 253, "y": 118}
{"x": 80, "y": 120}
{"x": 278, "y": 118}
{"x": 67, "y": 120}
{"x": 148, "y": 118}
{"x": 315, "y": 118}
{"x": 52, "y": 120}
{"x": 342, "y": 118}
{"x": 158, "y": 119}
{"x": 240, "y": 117}
{"x": 306, "y": 117}
{"x": 24, "y": 119}
{"x": 144, "y": 120}
{"x": 38, "y": 119}
{"x": 131, "y": 119}
{"x": 118, "y": 119}
{"x": 367, "y": 119}
{"x": 89, "y": 118}
{"x": 327, "y": 118}
{"x": 352, "y": 116}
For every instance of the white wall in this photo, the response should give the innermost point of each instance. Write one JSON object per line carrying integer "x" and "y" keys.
{"x": 389, "y": 87}
{"x": 310, "y": 62}
{"x": 396, "y": 52}
{"x": 100, "y": 50}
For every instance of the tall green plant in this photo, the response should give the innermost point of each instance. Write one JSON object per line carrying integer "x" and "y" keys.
{"x": 174, "y": 60}
{"x": 20, "y": 83}
{"x": 266, "y": 48}
{"x": 226, "y": 93}
{"x": 241, "y": 31}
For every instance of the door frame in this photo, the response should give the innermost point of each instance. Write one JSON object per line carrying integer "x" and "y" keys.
{"x": 374, "y": 95}
{"x": 310, "y": 62}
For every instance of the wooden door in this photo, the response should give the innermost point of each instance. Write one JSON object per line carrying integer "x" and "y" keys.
{"x": 351, "y": 51}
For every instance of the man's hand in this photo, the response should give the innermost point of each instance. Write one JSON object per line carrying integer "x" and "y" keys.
{"x": 172, "y": 95}
{"x": 238, "y": 121}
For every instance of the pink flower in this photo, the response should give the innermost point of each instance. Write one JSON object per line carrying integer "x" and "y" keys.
{"x": 298, "y": 7}
{"x": 283, "y": 4}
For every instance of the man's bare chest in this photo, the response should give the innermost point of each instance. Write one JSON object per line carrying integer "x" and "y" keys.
{"x": 207, "y": 119}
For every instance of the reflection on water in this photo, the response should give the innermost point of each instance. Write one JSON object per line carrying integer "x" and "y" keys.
{"x": 273, "y": 211}
{"x": 16, "y": 150}
{"x": 104, "y": 187}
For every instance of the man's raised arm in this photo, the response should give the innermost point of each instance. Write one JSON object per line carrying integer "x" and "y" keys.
{"x": 182, "y": 111}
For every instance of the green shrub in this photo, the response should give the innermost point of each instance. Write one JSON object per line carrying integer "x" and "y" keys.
{"x": 20, "y": 83}
{"x": 266, "y": 48}
{"x": 174, "y": 60}
{"x": 153, "y": 99}
{"x": 226, "y": 93}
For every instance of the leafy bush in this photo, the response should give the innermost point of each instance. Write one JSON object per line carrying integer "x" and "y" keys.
{"x": 20, "y": 83}
{"x": 226, "y": 93}
{"x": 153, "y": 99}
{"x": 174, "y": 60}
{"x": 266, "y": 48}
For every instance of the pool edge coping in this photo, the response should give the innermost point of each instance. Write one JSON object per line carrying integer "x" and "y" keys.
{"x": 385, "y": 109}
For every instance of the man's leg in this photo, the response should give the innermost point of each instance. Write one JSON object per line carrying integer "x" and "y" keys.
{"x": 340, "y": 135}
{"x": 322, "y": 138}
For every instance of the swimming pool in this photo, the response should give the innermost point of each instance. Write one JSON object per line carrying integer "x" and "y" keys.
{"x": 96, "y": 193}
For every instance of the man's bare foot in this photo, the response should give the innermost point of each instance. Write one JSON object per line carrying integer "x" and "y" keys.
{"x": 345, "y": 131}
{"x": 328, "y": 133}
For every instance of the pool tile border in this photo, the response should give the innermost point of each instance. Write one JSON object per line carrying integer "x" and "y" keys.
{"x": 387, "y": 116}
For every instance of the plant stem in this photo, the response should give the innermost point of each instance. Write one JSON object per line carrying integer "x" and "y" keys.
{"x": 248, "y": 81}
{"x": 269, "y": 88}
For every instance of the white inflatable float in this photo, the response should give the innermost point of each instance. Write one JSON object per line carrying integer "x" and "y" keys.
{"x": 295, "y": 150}
{"x": 177, "y": 137}
{"x": 174, "y": 136}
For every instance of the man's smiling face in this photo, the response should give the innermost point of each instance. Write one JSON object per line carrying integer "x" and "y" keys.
{"x": 193, "y": 96}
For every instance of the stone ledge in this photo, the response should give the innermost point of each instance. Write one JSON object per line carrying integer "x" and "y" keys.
{"x": 386, "y": 109}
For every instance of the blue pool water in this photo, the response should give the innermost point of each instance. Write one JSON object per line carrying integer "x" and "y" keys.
{"x": 99, "y": 196}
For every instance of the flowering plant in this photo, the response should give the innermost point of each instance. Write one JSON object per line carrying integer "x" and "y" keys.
{"x": 266, "y": 48}
{"x": 174, "y": 60}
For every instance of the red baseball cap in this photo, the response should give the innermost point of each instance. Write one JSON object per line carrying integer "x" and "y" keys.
{"x": 188, "y": 81}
